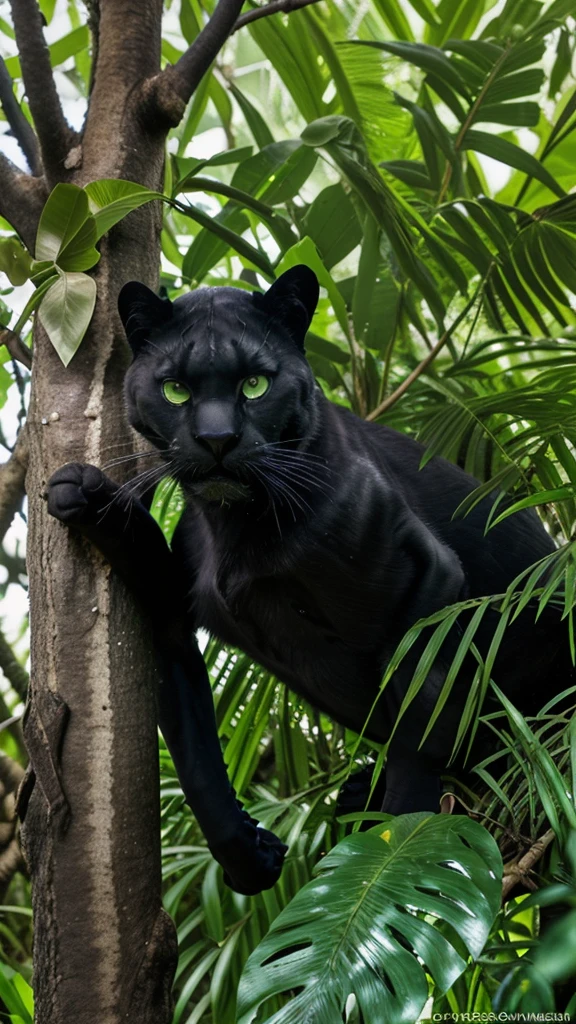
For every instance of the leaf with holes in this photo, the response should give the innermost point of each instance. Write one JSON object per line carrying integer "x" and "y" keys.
{"x": 349, "y": 931}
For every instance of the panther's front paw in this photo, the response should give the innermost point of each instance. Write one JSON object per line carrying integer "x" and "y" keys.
{"x": 252, "y": 861}
{"x": 78, "y": 495}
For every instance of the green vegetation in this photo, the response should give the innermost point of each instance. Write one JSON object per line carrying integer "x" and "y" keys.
{"x": 419, "y": 156}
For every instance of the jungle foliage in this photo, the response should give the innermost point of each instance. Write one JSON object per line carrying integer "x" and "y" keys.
{"x": 419, "y": 156}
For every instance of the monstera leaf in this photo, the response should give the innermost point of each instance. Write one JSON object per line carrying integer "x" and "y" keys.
{"x": 364, "y": 927}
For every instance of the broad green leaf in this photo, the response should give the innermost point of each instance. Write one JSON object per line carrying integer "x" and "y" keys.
{"x": 368, "y": 265}
{"x": 279, "y": 228}
{"x": 15, "y": 261}
{"x": 111, "y": 199}
{"x": 186, "y": 166}
{"x": 194, "y": 114}
{"x": 291, "y": 176}
{"x": 47, "y": 8}
{"x": 292, "y": 53}
{"x": 347, "y": 932}
{"x": 411, "y": 172}
{"x": 343, "y": 142}
{"x": 312, "y": 25}
{"x": 332, "y": 223}
{"x": 80, "y": 252}
{"x": 66, "y": 310}
{"x": 478, "y": 51}
{"x": 65, "y": 213}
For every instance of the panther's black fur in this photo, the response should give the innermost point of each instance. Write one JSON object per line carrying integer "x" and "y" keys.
{"x": 310, "y": 539}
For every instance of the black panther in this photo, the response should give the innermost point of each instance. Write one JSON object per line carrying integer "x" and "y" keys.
{"x": 310, "y": 539}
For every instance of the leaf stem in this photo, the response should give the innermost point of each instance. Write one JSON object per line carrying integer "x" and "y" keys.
{"x": 425, "y": 363}
{"x": 469, "y": 121}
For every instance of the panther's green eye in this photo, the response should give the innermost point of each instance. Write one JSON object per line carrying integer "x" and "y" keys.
{"x": 175, "y": 393}
{"x": 255, "y": 387}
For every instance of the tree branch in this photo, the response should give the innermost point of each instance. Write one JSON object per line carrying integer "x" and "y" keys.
{"x": 273, "y": 7}
{"x": 166, "y": 95}
{"x": 422, "y": 366}
{"x": 16, "y": 347}
{"x": 15, "y": 673}
{"x": 519, "y": 872}
{"x": 22, "y": 198}
{"x": 23, "y": 131}
{"x": 55, "y": 135}
{"x": 12, "y": 479}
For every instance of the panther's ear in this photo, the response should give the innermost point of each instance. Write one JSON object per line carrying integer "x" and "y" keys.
{"x": 141, "y": 312}
{"x": 292, "y": 299}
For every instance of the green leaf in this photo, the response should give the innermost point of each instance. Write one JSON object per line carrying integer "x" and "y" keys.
{"x": 167, "y": 506}
{"x": 366, "y": 277}
{"x": 231, "y": 239}
{"x": 66, "y": 310}
{"x": 64, "y": 48}
{"x": 111, "y": 199}
{"x": 256, "y": 123}
{"x": 535, "y": 500}
{"x": 292, "y": 53}
{"x": 47, "y": 8}
{"x": 515, "y": 86}
{"x": 15, "y": 261}
{"x": 290, "y": 177}
{"x": 343, "y": 142}
{"x": 332, "y": 223}
{"x": 347, "y": 932}
{"x": 185, "y": 166}
{"x": 481, "y": 53}
{"x": 12, "y": 996}
{"x": 514, "y": 114}
{"x": 411, "y": 172}
{"x": 394, "y": 17}
{"x": 279, "y": 228}
{"x": 427, "y": 58}
{"x": 507, "y": 153}
{"x": 64, "y": 216}
{"x": 274, "y": 171}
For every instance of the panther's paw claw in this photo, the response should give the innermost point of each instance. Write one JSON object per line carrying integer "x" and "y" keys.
{"x": 77, "y": 494}
{"x": 252, "y": 861}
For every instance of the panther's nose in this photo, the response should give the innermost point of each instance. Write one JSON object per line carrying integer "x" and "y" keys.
{"x": 218, "y": 443}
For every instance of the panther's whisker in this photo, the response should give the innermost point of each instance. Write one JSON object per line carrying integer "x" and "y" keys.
{"x": 299, "y": 473}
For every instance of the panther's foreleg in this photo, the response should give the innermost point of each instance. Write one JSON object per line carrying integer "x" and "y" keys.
{"x": 82, "y": 497}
